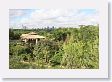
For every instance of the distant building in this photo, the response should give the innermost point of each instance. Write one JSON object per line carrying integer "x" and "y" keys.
{"x": 31, "y": 37}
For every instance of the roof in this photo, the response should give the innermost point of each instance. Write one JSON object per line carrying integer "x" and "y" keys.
{"x": 31, "y": 35}
{"x": 23, "y": 35}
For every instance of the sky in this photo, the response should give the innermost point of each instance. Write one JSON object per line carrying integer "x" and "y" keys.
{"x": 39, "y": 18}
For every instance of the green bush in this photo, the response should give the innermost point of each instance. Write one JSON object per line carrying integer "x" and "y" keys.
{"x": 63, "y": 48}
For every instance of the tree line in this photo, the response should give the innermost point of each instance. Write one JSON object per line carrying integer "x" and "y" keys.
{"x": 63, "y": 48}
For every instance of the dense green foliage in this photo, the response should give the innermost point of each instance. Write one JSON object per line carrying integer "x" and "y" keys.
{"x": 63, "y": 48}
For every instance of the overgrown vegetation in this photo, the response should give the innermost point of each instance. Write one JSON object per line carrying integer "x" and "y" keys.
{"x": 63, "y": 48}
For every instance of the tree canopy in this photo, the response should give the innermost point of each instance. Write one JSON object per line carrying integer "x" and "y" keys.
{"x": 64, "y": 48}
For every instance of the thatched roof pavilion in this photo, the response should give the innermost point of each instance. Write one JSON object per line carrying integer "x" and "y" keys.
{"x": 31, "y": 36}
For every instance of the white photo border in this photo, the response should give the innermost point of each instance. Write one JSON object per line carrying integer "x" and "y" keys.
{"x": 100, "y": 5}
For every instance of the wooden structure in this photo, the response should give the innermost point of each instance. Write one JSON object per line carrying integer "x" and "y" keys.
{"x": 32, "y": 36}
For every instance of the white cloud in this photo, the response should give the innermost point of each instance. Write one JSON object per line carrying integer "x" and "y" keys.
{"x": 56, "y": 17}
{"x": 15, "y": 13}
